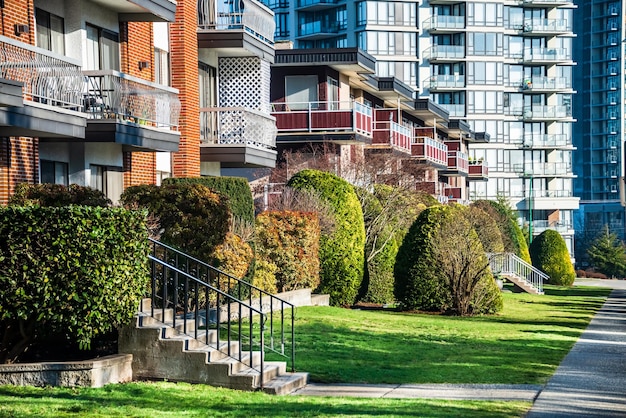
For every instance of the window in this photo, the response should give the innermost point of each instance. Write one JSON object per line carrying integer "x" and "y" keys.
{"x": 50, "y": 31}
{"x": 282, "y": 25}
{"x": 54, "y": 172}
{"x": 162, "y": 67}
{"x": 103, "y": 52}
{"x": 300, "y": 91}
{"x": 109, "y": 180}
{"x": 208, "y": 85}
{"x": 484, "y": 102}
{"x": 484, "y": 43}
{"x": 485, "y": 14}
{"x": 485, "y": 73}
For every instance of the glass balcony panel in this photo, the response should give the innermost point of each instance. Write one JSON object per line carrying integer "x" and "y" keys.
{"x": 445, "y": 81}
{"x": 444, "y": 22}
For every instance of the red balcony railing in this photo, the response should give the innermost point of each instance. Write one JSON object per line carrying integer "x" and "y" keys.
{"x": 458, "y": 162}
{"x": 428, "y": 149}
{"x": 393, "y": 134}
{"x": 478, "y": 170}
{"x": 323, "y": 117}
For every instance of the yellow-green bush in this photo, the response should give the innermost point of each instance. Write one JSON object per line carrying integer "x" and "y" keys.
{"x": 550, "y": 255}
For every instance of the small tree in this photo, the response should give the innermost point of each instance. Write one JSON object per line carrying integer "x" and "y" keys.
{"x": 550, "y": 255}
{"x": 608, "y": 254}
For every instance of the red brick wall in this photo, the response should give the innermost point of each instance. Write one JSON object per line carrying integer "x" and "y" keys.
{"x": 136, "y": 45}
{"x": 19, "y": 12}
{"x": 19, "y": 163}
{"x": 184, "y": 57}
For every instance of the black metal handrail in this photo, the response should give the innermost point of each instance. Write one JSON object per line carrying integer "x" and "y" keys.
{"x": 281, "y": 331}
{"x": 169, "y": 285}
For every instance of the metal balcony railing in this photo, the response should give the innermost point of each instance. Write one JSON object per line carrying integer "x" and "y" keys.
{"x": 423, "y": 147}
{"x": 547, "y": 112}
{"x": 547, "y": 54}
{"x": 546, "y": 83}
{"x": 478, "y": 169}
{"x": 458, "y": 161}
{"x": 323, "y": 116}
{"x": 109, "y": 94}
{"x": 560, "y": 226}
{"x": 249, "y": 15}
{"x": 543, "y": 169}
{"x": 47, "y": 77}
{"x": 237, "y": 126}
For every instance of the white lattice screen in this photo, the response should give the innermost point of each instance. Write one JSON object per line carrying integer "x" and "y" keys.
{"x": 244, "y": 82}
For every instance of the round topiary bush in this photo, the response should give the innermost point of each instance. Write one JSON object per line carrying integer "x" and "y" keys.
{"x": 340, "y": 252}
{"x": 550, "y": 255}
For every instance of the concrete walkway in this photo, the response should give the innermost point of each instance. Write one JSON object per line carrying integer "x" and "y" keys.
{"x": 589, "y": 382}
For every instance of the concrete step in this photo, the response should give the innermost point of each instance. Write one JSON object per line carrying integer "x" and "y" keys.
{"x": 286, "y": 383}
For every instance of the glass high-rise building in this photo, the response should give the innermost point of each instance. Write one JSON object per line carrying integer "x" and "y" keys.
{"x": 599, "y": 108}
{"x": 504, "y": 67}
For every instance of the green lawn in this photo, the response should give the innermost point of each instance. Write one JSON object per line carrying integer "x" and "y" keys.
{"x": 523, "y": 344}
{"x": 155, "y": 400}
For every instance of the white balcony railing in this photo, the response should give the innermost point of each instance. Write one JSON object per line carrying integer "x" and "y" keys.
{"x": 47, "y": 77}
{"x": 445, "y": 81}
{"x": 547, "y": 25}
{"x": 554, "y": 140}
{"x": 248, "y": 15}
{"x": 544, "y": 169}
{"x": 109, "y": 94}
{"x": 237, "y": 126}
{"x": 547, "y": 54}
{"x": 444, "y": 22}
{"x": 445, "y": 52}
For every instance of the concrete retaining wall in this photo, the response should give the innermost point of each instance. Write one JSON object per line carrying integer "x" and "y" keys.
{"x": 93, "y": 373}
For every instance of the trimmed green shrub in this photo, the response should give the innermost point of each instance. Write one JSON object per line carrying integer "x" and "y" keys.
{"x": 550, "y": 255}
{"x": 512, "y": 235}
{"x": 290, "y": 241}
{"x": 441, "y": 265}
{"x": 190, "y": 216}
{"x": 73, "y": 271}
{"x": 236, "y": 189}
{"x": 341, "y": 252}
{"x": 233, "y": 256}
{"x": 57, "y": 195}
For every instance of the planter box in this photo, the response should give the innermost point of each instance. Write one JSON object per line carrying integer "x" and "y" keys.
{"x": 94, "y": 373}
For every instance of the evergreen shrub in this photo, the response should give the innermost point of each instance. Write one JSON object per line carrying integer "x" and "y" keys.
{"x": 550, "y": 255}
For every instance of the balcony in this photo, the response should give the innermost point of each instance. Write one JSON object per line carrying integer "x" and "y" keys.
{"x": 430, "y": 151}
{"x": 546, "y": 27}
{"x": 556, "y": 169}
{"x": 139, "y": 114}
{"x": 41, "y": 93}
{"x": 554, "y": 141}
{"x": 442, "y": 82}
{"x": 562, "y": 227}
{"x": 545, "y": 113}
{"x": 317, "y": 30}
{"x": 546, "y": 55}
{"x": 458, "y": 164}
{"x": 141, "y": 10}
{"x": 388, "y": 133}
{"x": 315, "y": 5}
{"x": 546, "y": 84}
{"x": 454, "y": 194}
{"x": 319, "y": 121}
{"x": 547, "y": 3}
{"x": 478, "y": 170}
{"x": 444, "y": 23}
{"x": 444, "y": 53}
{"x": 454, "y": 110}
{"x": 237, "y": 136}
{"x": 232, "y": 30}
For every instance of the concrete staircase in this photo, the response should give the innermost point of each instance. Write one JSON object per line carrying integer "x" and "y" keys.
{"x": 162, "y": 351}
{"x": 523, "y": 275}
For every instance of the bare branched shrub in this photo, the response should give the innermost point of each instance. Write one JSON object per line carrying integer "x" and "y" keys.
{"x": 305, "y": 201}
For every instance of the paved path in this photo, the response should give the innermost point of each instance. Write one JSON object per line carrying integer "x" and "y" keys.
{"x": 589, "y": 382}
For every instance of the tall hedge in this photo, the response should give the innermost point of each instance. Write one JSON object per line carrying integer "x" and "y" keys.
{"x": 72, "y": 271}
{"x": 341, "y": 252}
{"x": 289, "y": 241}
{"x": 46, "y": 194}
{"x": 512, "y": 235}
{"x": 550, "y": 255}
{"x": 190, "y": 216}
{"x": 236, "y": 189}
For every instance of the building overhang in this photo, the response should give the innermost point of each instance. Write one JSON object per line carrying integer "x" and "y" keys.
{"x": 233, "y": 43}
{"x": 141, "y": 10}
{"x": 390, "y": 89}
{"x": 350, "y": 61}
{"x": 460, "y": 129}
{"x": 131, "y": 136}
{"x": 431, "y": 113}
{"x": 11, "y": 93}
{"x": 341, "y": 138}
{"x": 238, "y": 155}
{"x": 37, "y": 120}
